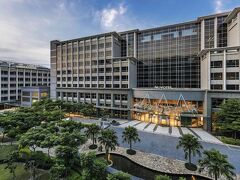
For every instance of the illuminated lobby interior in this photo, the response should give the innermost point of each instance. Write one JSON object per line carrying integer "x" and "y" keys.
{"x": 168, "y": 112}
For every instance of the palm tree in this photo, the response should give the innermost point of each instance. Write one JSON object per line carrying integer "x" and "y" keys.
{"x": 109, "y": 140}
{"x": 190, "y": 145}
{"x": 216, "y": 164}
{"x": 92, "y": 131}
{"x": 130, "y": 135}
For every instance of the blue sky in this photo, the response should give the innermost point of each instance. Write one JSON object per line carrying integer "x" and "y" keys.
{"x": 27, "y": 26}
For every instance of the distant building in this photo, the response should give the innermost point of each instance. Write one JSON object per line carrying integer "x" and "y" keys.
{"x": 30, "y": 95}
{"x": 175, "y": 75}
{"x": 15, "y": 76}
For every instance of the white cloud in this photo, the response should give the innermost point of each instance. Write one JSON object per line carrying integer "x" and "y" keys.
{"x": 115, "y": 18}
{"x": 28, "y": 26}
{"x": 219, "y": 6}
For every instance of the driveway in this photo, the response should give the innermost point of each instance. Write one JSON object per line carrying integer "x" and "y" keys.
{"x": 164, "y": 145}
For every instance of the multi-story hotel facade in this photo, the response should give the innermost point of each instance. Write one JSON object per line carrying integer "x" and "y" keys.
{"x": 175, "y": 75}
{"x": 15, "y": 76}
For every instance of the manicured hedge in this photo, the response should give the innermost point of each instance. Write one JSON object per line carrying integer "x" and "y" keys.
{"x": 229, "y": 140}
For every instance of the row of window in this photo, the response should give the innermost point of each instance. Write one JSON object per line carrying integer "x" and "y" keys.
{"x": 26, "y": 73}
{"x": 229, "y": 63}
{"x": 22, "y": 85}
{"x": 101, "y": 96}
{"x": 93, "y": 78}
{"x": 93, "y": 70}
{"x": 93, "y": 85}
{"x": 228, "y": 87}
{"x": 229, "y": 76}
{"x": 86, "y": 47}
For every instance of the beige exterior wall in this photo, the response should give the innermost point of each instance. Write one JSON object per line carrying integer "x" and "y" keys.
{"x": 234, "y": 31}
{"x": 205, "y": 71}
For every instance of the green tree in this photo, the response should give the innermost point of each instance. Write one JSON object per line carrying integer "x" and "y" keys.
{"x": 229, "y": 117}
{"x": 130, "y": 135}
{"x": 73, "y": 139}
{"x": 92, "y": 131}
{"x": 162, "y": 177}
{"x": 30, "y": 165}
{"x": 58, "y": 171}
{"x": 93, "y": 167}
{"x": 68, "y": 155}
{"x": 33, "y": 138}
{"x": 12, "y": 134}
{"x": 70, "y": 126}
{"x": 191, "y": 146}
{"x": 109, "y": 140}
{"x": 49, "y": 141}
{"x": 11, "y": 165}
{"x": 119, "y": 176}
{"x": 216, "y": 164}
{"x": 89, "y": 110}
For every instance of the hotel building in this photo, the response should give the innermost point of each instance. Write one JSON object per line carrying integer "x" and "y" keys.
{"x": 175, "y": 75}
{"x": 15, "y": 76}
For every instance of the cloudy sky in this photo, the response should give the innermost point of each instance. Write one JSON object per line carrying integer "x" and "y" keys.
{"x": 27, "y": 26}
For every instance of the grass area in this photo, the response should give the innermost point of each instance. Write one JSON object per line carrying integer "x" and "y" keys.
{"x": 5, "y": 150}
{"x": 21, "y": 173}
{"x": 229, "y": 140}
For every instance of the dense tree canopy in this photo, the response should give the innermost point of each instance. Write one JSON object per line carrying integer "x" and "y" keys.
{"x": 229, "y": 117}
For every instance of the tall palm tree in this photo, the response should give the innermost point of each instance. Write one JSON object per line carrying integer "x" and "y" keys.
{"x": 109, "y": 140}
{"x": 191, "y": 146}
{"x": 130, "y": 135}
{"x": 216, "y": 164}
{"x": 92, "y": 131}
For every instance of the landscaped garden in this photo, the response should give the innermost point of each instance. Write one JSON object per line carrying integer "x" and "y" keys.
{"x": 227, "y": 124}
{"x": 42, "y": 144}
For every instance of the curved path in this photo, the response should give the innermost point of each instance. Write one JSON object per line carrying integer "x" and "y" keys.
{"x": 166, "y": 146}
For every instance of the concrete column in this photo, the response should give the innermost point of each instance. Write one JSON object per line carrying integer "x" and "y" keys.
{"x": 135, "y": 44}
{"x": 207, "y": 111}
{"x": 215, "y": 32}
{"x": 224, "y": 70}
{"x": 130, "y": 103}
{"x": 202, "y": 35}
{"x": 209, "y": 70}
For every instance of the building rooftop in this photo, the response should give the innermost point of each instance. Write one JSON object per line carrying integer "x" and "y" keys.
{"x": 21, "y": 65}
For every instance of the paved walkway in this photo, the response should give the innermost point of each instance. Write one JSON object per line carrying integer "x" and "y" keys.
{"x": 173, "y": 131}
{"x": 165, "y": 145}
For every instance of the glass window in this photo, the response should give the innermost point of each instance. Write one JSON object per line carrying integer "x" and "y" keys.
{"x": 232, "y": 63}
{"x": 216, "y": 86}
{"x": 216, "y": 64}
{"x": 232, "y": 87}
{"x": 216, "y": 102}
{"x": 232, "y": 75}
{"x": 216, "y": 76}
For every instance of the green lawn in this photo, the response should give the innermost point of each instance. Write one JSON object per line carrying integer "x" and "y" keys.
{"x": 5, "y": 150}
{"x": 21, "y": 173}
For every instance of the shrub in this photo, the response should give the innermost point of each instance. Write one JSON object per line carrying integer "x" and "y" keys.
{"x": 119, "y": 176}
{"x": 162, "y": 177}
{"x": 43, "y": 161}
{"x": 229, "y": 140}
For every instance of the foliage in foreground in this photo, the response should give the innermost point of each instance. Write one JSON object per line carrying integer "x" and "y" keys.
{"x": 119, "y": 176}
{"x": 229, "y": 117}
{"x": 109, "y": 140}
{"x": 162, "y": 177}
{"x": 216, "y": 164}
